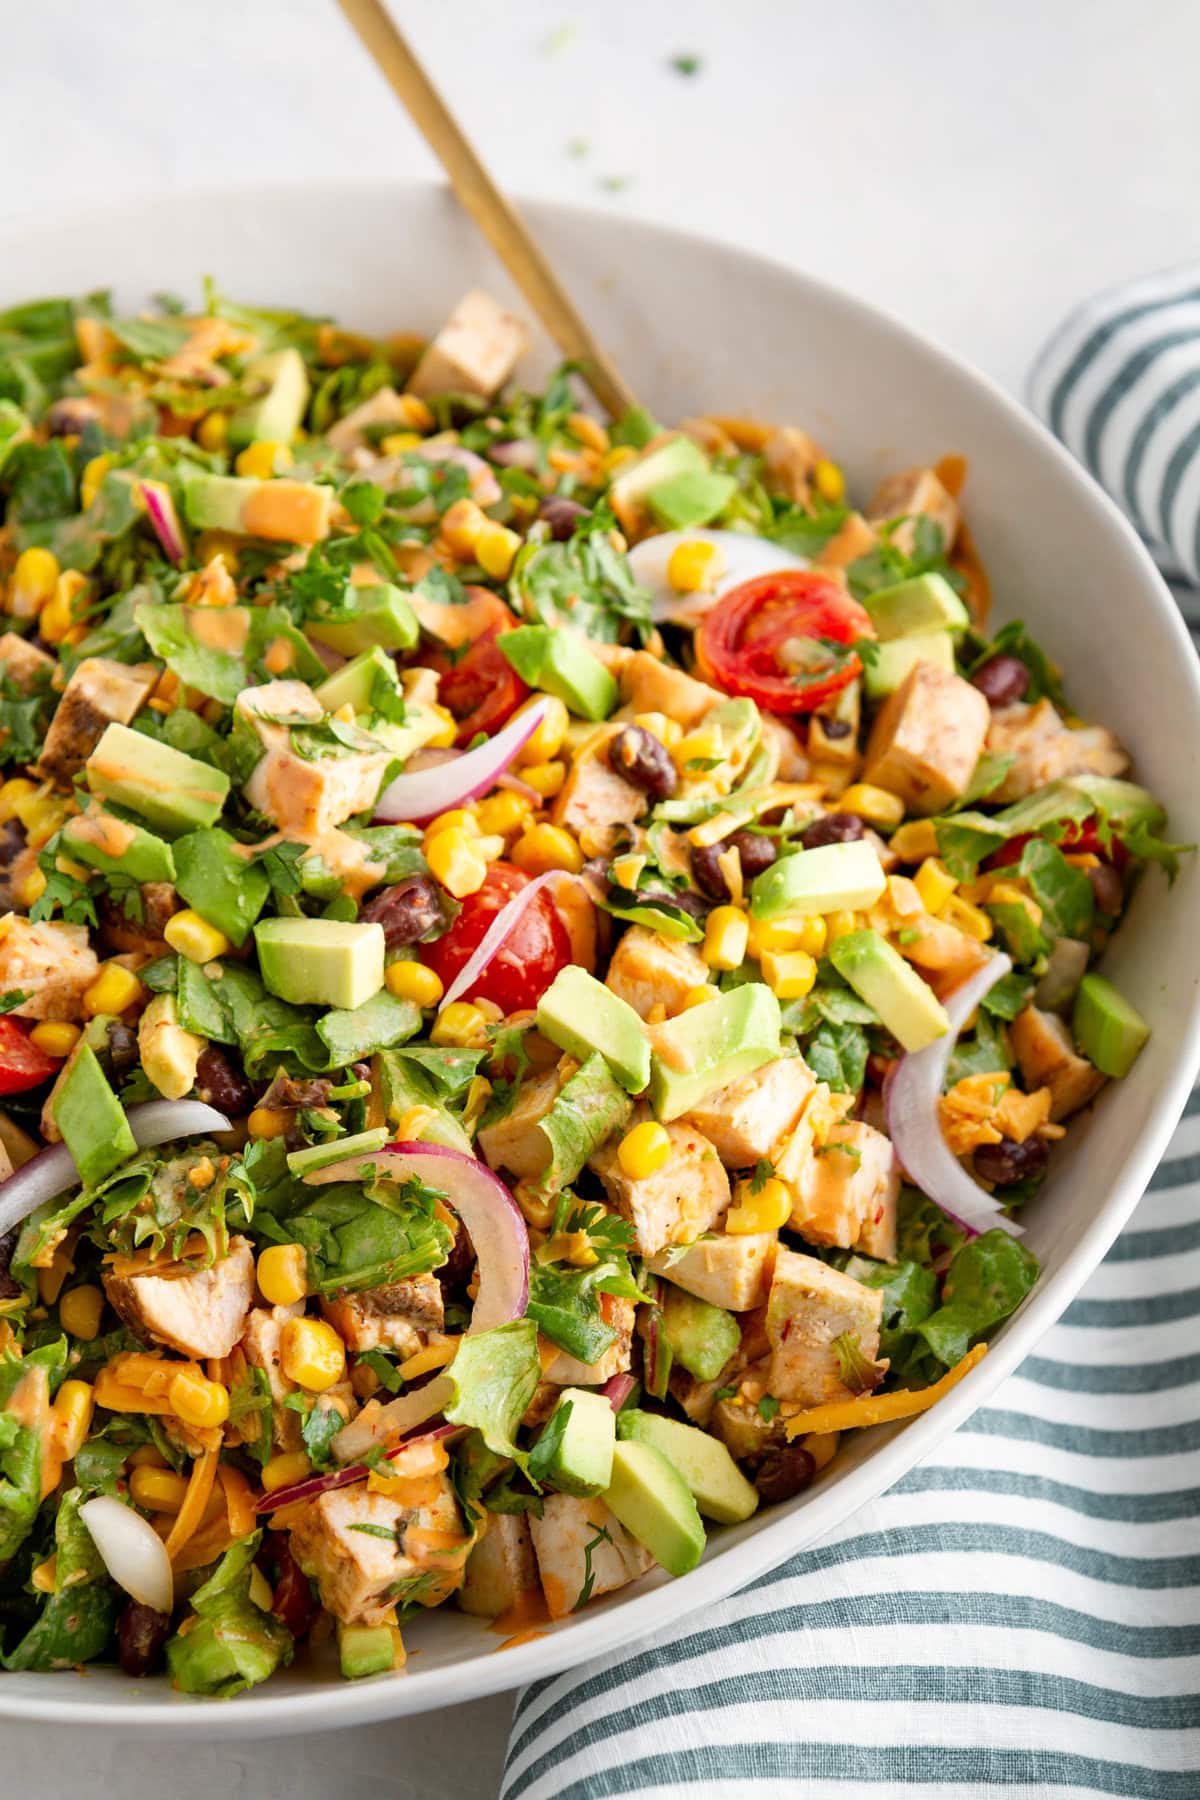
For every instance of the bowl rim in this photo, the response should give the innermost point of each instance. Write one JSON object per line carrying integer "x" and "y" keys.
{"x": 339, "y": 1705}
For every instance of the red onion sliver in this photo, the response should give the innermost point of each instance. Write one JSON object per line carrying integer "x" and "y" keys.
{"x": 911, "y": 1096}
{"x": 165, "y": 520}
{"x": 339, "y": 1478}
{"x": 515, "y": 785}
{"x": 417, "y": 795}
{"x": 617, "y": 1390}
{"x": 493, "y": 939}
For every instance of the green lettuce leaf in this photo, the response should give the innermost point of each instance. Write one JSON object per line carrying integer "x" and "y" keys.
{"x": 230, "y": 1643}
{"x": 495, "y": 1374}
{"x": 222, "y": 674}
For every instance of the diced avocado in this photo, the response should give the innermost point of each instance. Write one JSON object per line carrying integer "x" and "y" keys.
{"x": 650, "y": 1498}
{"x": 358, "y": 683}
{"x": 421, "y": 724}
{"x": 890, "y": 665}
{"x": 93, "y": 1125}
{"x": 368, "y": 616}
{"x": 227, "y": 889}
{"x": 879, "y": 975}
{"x": 709, "y": 1046}
{"x": 116, "y": 847}
{"x": 365, "y": 1650}
{"x": 336, "y": 1150}
{"x": 174, "y": 791}
{"x": 678, "y": 457}
{"x": 581, "y": 1460}
{"x": 277, "y": 414}
{"x": 702, "y": 1336}
{"x": 635, "y": 427}
{"x": 834, "y": 878}
{"x": 560, "y": 663}
{"x": 581, "y": 1016}
{"x": 320, "y": 962}
{"x": 288, "y": 512}
{"x": 924, "y": 603}
{"x": 690, "y": 499}
{"x": 719, "y": 1488}
{"x": 1108, "y": 1030}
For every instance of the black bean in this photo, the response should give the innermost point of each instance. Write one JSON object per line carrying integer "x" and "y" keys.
{"x": 221, "y": 1083}
{"x": 783, "y": 1473}
{"x": 832, "y": 728}
{"x": 1002, "y": 680}
{"x": 122, "y": 1048}
{"x": 707, "y": 872}
{"x": 142, "y": 1634}
{"x": 643, "y": 760}
{"x": 561, "y": 515}
{"x": 408, "y": 912}
{"x": 1108, "y": 888}
{"x": 9, "y": 1289}
{"x": 834, "y": 828}
{"x": 755, "y": 852}
{"x": 71, "y": 416}
{"x": 1010, "y": 1161}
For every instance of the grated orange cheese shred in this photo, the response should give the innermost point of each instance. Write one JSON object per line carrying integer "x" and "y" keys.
{"x": 881, "y": 1409}
{"x": 195, "y": 1502}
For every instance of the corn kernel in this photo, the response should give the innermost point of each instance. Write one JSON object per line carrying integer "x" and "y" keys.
{"x": 457, "y": 820}
{"x": 202, "y": 1174}
{"x": 548, "y": 739}
{"x": 311, "y": 1354}
{"x": 158, "y": 1490}
{"x": 80, "y": 1312}
{"x": 262, "y": 460}
{"x": 94, "y": 472}
{"x": 874, "y": 804}
{"x": 915, "y": 840}
{"x": 283, "y": 1274}
{"x": 546, "y": 778}
{"x": 545, "y": 847}
{"x": 460, "y": 1024}
{"x": 461, "y": 526}
{"x": 726, "y": 935}
{"x": 616, "y": 458}
{"x": 285, "y": 1470}
{"x": 412, "y": 1123}
{"x": 212, "y": 433}
{"x": 667, "y": 731}
{"x": 694, "y": 565}
{"x": 443, "y": 739}
{"x": 502, "y": 813}
{"x": 767, "y": 1210}
{"x": 33, "y": 583}
{"x": 45, "y": 1577}
{"x": 32, "y": 888}
{"x": 194, "y": 937}
{"x": 805, "y": 933}
{"x": 56, "y": 619}
{"x": 73, "y": 1407}
{"x": 643, "y": 1151}
{"x": 496, "y": 550}
{"x": 413, "y": 981}
{"x": 840, "y": 924}
{"x": 147, "y": 1456}
{"x": 197, "y": 1400}
{"x": 789, "y": 974}
{"x": 829, "y": 481}
{"x": 114, "y": 990}
{"x": 12, "y": 793}
{"x": 934, "y": 883}
{"x": 455, "y": 861}
{"x": 588, "y": 431}
{"x": 265, "y": 1122}
{"x": 971, "y": 919}
{"x": 699, "y": 996}
{"x": 397, "y": 442}
{"x": 55, "y": 1039}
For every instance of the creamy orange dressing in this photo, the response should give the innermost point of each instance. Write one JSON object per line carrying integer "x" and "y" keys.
{"x": 951, "y": 471}
{"x": 112, "y": 837}
{"x": 224, "y": 628}
{"x": 527, "y": 1611}
{"x": 519, "y": 1637}
{"x": 279, "y": 656}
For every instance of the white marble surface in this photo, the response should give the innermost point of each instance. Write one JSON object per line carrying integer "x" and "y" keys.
{"x": 973, "y": 168}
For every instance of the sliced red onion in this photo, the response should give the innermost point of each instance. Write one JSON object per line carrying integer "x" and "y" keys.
{"x": 515, "y": 785}
{"x": 52, "y": 1172}
{"x": 515, "y": 453}
{"x": 339, "y": 1478}
{"x": 421, "y": 794}
{"x": 131, "y": 1550}
{"x": 165, "y": 520}
{"x": 395, "y": 472}
{"x": 911, "y": 1096}
{"x": 496, "y": 935}
{"x": 617, "y": 1390}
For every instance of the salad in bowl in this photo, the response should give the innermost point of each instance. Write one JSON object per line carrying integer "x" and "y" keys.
{"x": 541, "y": 963}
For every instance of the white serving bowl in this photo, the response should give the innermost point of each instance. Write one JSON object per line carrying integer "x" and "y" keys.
{"x": 698, "y": 326}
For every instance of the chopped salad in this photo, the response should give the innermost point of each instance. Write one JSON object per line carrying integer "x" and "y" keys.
{"x": 542, "y": 963}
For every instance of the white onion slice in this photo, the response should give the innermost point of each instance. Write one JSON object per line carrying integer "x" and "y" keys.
{"x": 911, "y": 1098}
{"x": 493, "y": 939}
{"x": 160, "y": 508}
{"x": 420, "y": 794}
{"x": 131, "y": 1550}
{"x": 52, "y": 1172}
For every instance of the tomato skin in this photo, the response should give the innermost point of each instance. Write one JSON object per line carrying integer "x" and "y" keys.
{"x": 740, "y": 639}
{"x": 1082, "y": 839}
{"x": 22, "y": 1064}
{"x": 480, "y": 688}
{"x": 537, "y": 948}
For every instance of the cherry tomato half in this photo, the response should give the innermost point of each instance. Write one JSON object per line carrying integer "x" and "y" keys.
{"x": 783, "y": 640}
{"x": 22, "y": 1064}
{"x": 537, "y": 948}
{"x": 478, "y": 685}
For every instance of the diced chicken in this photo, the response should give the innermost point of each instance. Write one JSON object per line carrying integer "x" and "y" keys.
{"x": 927, "y": 738}
{"x": 847, "y": 1194}
{"x": 515, "y": 1142}
{"x": 577, "y": 1538}
{"x": 307, "y": 798}
{"x": 100, "y": 693}
{"x": 568, "y": 1371}
{"x": 679, "y": 1202}
{"x": 475, "y": 352}
{"x": 733, "y": 1272}
{"x": 359, "y": 1574}
{"x": 199, "y": 1315}
{"x": 648, "y": 970}
{"x": 745, "y": 1120}
{"x": 400, "y": 1315}
{"x": 811, "y": 1305}
{"x": 385, "y": 407}
{"x": 915, "y": 492}
{"x": 792, "y": 1156}
{"x": 595, "y": 801}
{"x": 853, "y": 539}
{"x": 22, "y": 662}
{"x": 789, "y": 458}
{"x": 260, "y": 1344}
{"x": 736, "y": 1420}
{"x": 50, "y": 963}
{"x": 782, "y": 741}
{"x": 1047, "y": 750}
{"x": 649, "y": 685}
{"x": 501, "y": 1569}
{"x": 1048, "y": 1058}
